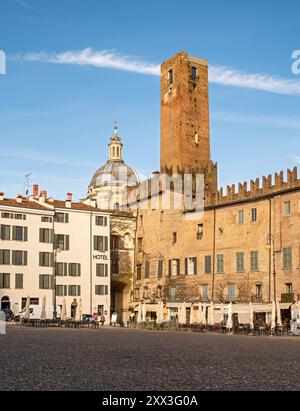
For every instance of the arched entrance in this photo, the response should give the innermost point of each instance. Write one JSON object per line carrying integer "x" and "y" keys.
{"x": 5, "y": 303}
{"x": 73, "y": 309}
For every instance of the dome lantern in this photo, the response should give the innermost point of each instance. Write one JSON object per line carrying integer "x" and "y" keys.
{"x": 115, "y": 146}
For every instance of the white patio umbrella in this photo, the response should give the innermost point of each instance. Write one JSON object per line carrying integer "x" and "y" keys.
{"x": 273, "y": 315}
{"x": 144, "y": 312}
{"x": 229, "y": 323}
{"x": 139, "y": 316}
{"x": 211, "y": 314}
{"x": 63, "y": 315}
{"x": 79, "y": 311}
{"x": 27, "y": 309}
{"x": 43, "y": 311}
{"x": 251, "y": 315}
{"x": 279, "y": 322}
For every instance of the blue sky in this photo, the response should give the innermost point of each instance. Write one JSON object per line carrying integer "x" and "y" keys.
{"x": 57, "y": 109}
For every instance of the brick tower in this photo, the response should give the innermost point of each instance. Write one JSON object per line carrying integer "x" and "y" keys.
{"x": 185, "y": 136}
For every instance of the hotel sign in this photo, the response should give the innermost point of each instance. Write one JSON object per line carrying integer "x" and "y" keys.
{"x": 103, "y": 257}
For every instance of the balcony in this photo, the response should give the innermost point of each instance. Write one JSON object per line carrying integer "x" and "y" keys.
{"x": 288, "y": 298}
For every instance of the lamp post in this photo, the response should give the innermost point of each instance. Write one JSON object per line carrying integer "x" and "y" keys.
{"x": 269, "y": 245}
{"x": 55, "y": 252}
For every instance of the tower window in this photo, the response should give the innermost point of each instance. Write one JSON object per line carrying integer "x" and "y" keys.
{"x": 194, "y": 74}
{"x": 113, "y": 151}
{"x": 170, "y": 77}
{"x": 196, "y": 138}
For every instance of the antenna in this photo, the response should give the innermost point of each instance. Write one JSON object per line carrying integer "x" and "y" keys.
{"x": 27, "y": 185}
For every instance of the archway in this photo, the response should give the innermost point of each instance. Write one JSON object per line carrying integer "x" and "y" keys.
{"x": 5, "y": 303}
{"x": 73, "y": 309}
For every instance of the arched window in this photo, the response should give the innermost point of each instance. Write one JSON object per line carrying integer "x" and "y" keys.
{"x": 196, "y": 138}
{"x": 113, "y": 151}
{"x": 117, "y": 151}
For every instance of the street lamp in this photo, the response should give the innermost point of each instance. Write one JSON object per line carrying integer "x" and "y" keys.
{"x": 269, "y": 245}
{"x": 56, "y": 251}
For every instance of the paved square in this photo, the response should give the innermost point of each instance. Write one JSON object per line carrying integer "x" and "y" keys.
{"x": 125, "y": 359}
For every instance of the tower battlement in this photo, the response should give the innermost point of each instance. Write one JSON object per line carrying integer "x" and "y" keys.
{"x": 259, "y": 187}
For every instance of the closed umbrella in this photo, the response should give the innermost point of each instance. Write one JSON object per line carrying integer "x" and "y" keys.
{"x": 229, "y": 324}
{"x": 251, "y": 315}
{"x": 160, "y": 312}
{"x": 211, "y": 316}
{"x": 273, "y": 315}
{"x": 27, "y": 309}
{"x": 222, "y": 313}
{"x": 43, "y": 311}
{"x": 144, "y": 312}
{"x": 279, "y": 322}
{"x": 139, "y": 316}
{"x": 63, "y": 315}
{"x": 203, "y": 315}
{"x": 79, "y": 311}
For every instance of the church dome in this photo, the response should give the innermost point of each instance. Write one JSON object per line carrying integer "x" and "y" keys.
{"x": 115, "y": 172}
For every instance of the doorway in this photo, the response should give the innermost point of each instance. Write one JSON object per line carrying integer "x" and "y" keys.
{"x": 5, "y": 303}
{"x": 73, "y": 309}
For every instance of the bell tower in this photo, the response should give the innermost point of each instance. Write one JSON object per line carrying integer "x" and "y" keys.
{"x": 185, "y": 140}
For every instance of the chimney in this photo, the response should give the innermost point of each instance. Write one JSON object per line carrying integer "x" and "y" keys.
{"x": 43, "y": 196}
{"x": 36, "y": 191}
{"x": 69, "y": 197}
{"x": 1, "y": 196}
{"x": 19, "y": 198}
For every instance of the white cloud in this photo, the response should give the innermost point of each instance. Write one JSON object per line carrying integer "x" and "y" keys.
{"x": 254, "y": 119}
{"x": 101, "y": 59}
{"x": 217, "y": 74}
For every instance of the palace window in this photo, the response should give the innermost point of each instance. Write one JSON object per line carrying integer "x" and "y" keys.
{"x": 231, "y": 292}
{"x": 4, "y": 280}
{"x": 74, "y": 290}
{"x": 207, "y": 264}
{"x": 45, "y": 282}
{"x": 61, "y": 218}
{"x": 200, "y": 231}
{"x": 241, "y": 217}
{"x": 102, "y": 270}
{"x": 205, "y": 291}
{"x": 191, "y": 266}
{"x": 100, "y": 243}
{"x": 174, "y": 238}
{"x": 287, "y": 258}
{"x": 258, "y": 292}
{"x": 289, "y": 288}
{"x": 61, "y": 269}
{"x": 4, "y": 257}
{"x": 74, "y": 270}
{"x": 139, "y": 272}
{"x": 5, "y": 232}
{"x": 170, "y": 77}
{"x": 62, "y": 241}
{"x": 160, "y": 268}
{"x": 101, "y": 289}
{"x": 19, "y": 281}
{"x": 287, "y": 208}
{"x": 19, "y": 233}
{"x": 254, "y": 261}
{"x": 220, "y": 263}
{"x": 147, "y": 269}
{"x": 254, "y": 215}
{"x": 194, "y": 74}
{"x": 240, "y": 262}
{"x": 172, "y": 292}
{"x": 46, "y": 235}
{"x": 46, "y": 259}
{"x": 101, "y": 220}
{"x": 19, "y": 257}
{"x": 174, "y": 267}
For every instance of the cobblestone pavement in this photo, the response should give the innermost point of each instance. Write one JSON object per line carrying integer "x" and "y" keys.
{"x": 125, "y": 359}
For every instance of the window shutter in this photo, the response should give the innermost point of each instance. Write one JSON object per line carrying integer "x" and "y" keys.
{"x": 25, "y": 257}
{"x": 170, "y": 268}
{"x": 25, "y": 233}
{"x": 41, "y": 282}
{"x": 186, "y": 261}
{"x": 78, "y": 290}
{"x": 67, "y": 242}
{"x": 195, "y": 265}
{"x": 66, "y": 218}
{"x": 14, "y": 233}
{"x": 106, "y": 244}
{"x": 178, "y": 267}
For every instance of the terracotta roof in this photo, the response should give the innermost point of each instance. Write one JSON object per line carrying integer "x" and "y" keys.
{"x": 75, "y": 206}
{"x": 10, "y": 202}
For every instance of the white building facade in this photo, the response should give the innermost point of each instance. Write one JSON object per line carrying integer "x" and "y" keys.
{"x": 59, "y": 250}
